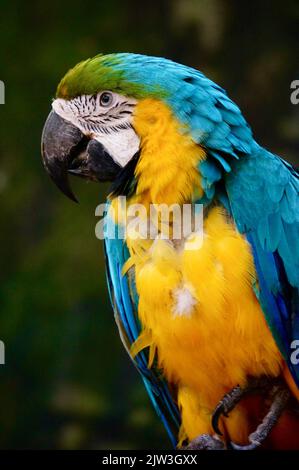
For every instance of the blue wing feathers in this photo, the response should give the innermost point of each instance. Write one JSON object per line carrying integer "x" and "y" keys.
{"x": 264, "y": 196}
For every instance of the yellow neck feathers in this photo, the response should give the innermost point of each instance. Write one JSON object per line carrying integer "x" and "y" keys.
{"x": 167, "y": 168}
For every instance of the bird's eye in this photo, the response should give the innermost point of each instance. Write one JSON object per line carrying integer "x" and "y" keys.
{"x": 106, "y": 99}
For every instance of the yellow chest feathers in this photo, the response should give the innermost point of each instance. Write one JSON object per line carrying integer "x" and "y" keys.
{"x": 201, "y": 319}
{"x": 199, "y": 312}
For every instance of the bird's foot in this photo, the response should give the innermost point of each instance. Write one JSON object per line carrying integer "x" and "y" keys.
{"x": 206, "y": 442}
{"x": 281, "y": 397}
{"x": 234, "y": 396}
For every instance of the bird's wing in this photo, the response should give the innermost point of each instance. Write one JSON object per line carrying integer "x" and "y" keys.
{"x": 263, "y": 192}
{"x": 124, "y": 300}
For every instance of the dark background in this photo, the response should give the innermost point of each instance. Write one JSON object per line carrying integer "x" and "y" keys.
{"x": 67, "y": 382}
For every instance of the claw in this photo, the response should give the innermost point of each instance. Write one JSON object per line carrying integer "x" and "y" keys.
{"x": 281, "y": 398}
{"x": 227, "y": 403}
{"x": 218, "y": 412}
{"x": 234, "y": 396}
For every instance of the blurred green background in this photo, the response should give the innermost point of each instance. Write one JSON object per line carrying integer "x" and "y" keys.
{"x": 67, "y": 382}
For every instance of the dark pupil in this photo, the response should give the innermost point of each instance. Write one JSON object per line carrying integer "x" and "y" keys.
{"x": 105, "y": 98}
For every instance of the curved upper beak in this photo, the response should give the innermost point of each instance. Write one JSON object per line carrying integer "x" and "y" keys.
{"x": 65, "y": 149}
{"x": 61, "y": 140}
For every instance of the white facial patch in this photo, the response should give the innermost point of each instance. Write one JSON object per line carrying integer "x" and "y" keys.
{"x": 121, "y": 145}
{"x": 184, "y": 301}
{"x": 110, "y": 125}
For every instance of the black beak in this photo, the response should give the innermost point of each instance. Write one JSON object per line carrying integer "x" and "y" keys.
{"x": 66, "y": 150}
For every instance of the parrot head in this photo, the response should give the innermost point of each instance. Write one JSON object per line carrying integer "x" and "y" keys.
{"x": 90, "y": 131}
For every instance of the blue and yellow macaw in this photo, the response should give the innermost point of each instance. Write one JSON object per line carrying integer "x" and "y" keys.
{"x": 213, "y": 330}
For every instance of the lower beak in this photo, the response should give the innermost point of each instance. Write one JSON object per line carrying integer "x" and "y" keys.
{"x": 66, "y": 150}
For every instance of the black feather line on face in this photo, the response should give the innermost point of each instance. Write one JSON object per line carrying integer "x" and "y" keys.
{"x": 125, "y": 182}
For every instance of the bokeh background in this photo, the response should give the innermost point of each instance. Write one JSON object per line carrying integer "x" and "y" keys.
{"x": 67, "y": 382}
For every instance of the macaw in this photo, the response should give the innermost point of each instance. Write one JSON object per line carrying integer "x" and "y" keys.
{"x": 212, "y": 330}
